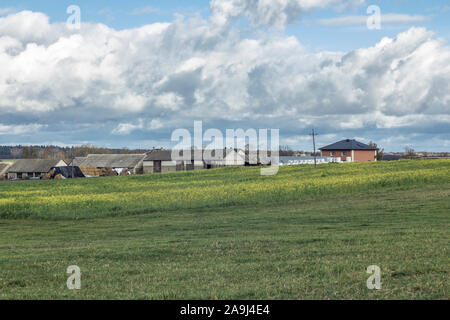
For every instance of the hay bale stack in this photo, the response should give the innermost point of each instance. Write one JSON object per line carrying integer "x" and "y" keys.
{"x": 108, "y": 172}
{"x": 91, "y": 171}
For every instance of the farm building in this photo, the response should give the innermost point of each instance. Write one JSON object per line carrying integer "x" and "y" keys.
{"x": 4, "y": 169}
{"x": 224, "y": 158}
{"x": 350, "y": 150}
{"x": 160, "y": 161}
{"x": 32, "y": 168}
{"x": 118, "y": 162}
{"x": 289, "y": 161}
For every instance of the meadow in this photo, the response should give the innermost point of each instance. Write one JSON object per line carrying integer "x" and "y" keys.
{"x": 110, "y": 196}
{"x": 232, "y": 234}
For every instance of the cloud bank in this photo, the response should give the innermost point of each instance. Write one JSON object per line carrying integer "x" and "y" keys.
{"x": 101, "y": 84}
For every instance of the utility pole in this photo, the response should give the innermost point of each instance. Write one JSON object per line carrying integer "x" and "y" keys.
{"x": 72, "y": 166}
{"x": 314, "y": 146}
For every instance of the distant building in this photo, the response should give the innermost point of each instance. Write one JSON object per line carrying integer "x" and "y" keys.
{"x": 391, "y": 157}
{"x": 32, "y": 168}
{"x": 217, "y": 158}
{"x": 350, "y": 150}
{"x": 132, "y": 162}
{"x": 289, "y": 161}
{"x": 4, "y": 169}
{"x": 160, "y": 161}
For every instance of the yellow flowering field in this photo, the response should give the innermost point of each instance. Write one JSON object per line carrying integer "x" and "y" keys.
{"x": 96, "y": 197}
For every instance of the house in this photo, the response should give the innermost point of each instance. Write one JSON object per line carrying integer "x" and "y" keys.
{"x": 118, "y": 162}
{"x": 350, "y": 150}
{"x": 4, "y": 169}
{"x": 160, "y": 161}
{"x": 32, "y": 168}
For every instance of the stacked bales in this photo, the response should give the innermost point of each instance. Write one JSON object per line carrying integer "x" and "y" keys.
{"x": 108, "y": 172}
{"x": 91, "y": 171}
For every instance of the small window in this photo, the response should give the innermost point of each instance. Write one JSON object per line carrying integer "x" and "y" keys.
{"x": 344, "y": 153}
{"x": 333, "y": 153}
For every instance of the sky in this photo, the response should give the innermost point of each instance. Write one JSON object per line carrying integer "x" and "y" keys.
{"x": 135, "y": 71}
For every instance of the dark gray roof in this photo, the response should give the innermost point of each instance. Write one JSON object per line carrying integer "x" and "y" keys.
{"x": 159, "y": 155}
{"x": 33, "y": 165}
{"x": 348, "y": 144}
{"x": 109, "y": 160}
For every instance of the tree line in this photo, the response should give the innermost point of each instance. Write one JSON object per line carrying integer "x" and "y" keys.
{"x": 56, "y": 152}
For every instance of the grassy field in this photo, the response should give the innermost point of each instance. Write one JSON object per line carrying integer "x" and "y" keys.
{"x": 112, "y": 196}
{"x": 303, "y": 234}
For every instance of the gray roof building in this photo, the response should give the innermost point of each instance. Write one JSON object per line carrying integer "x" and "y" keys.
{"x": 4, "y": 169}
{"x": 132, "y": 162}
{"x": 34, "y": 165}
{"x": 348, "y": 144}
{"x": 159, "y": 155}
{"x": 110, "y": 160}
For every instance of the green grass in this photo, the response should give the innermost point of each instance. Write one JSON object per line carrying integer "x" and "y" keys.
{"x": 311, "y": 249}
{"x": 315, "y": 245}
{"x": 100, "y": 197}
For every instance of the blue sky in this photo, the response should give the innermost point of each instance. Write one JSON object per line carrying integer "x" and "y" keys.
{"x": 170, "y": 62}
{"x": 135, "y": 13}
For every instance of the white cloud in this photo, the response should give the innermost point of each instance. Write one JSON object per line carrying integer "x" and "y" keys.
{"x": 191, "y": 69}
{"x": 388, "y": 18}
{"x": 271, "y": 12}
{"x": 20, "y": 129}
{"x": 142, "y": 125}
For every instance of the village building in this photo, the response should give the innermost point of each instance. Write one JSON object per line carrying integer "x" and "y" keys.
{"x": 32, "y": 168}
{"x": 4, "y": 166}
{"x": 160, "y": 161}
{"x": 217, "y": 158}
{"x": 350, "y": 150}
{"x": 289, "y": 161}
{"x": 134, "y": 163}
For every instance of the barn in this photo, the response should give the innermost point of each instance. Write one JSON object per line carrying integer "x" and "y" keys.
{"x": 350, "y": 150}
{"x": 4, "y": 169}
{"x": 32, "y": 168}
{"x": 160, "y": 161}
{"x": 118, "y": 162}
{"x": 224, "y": 158}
